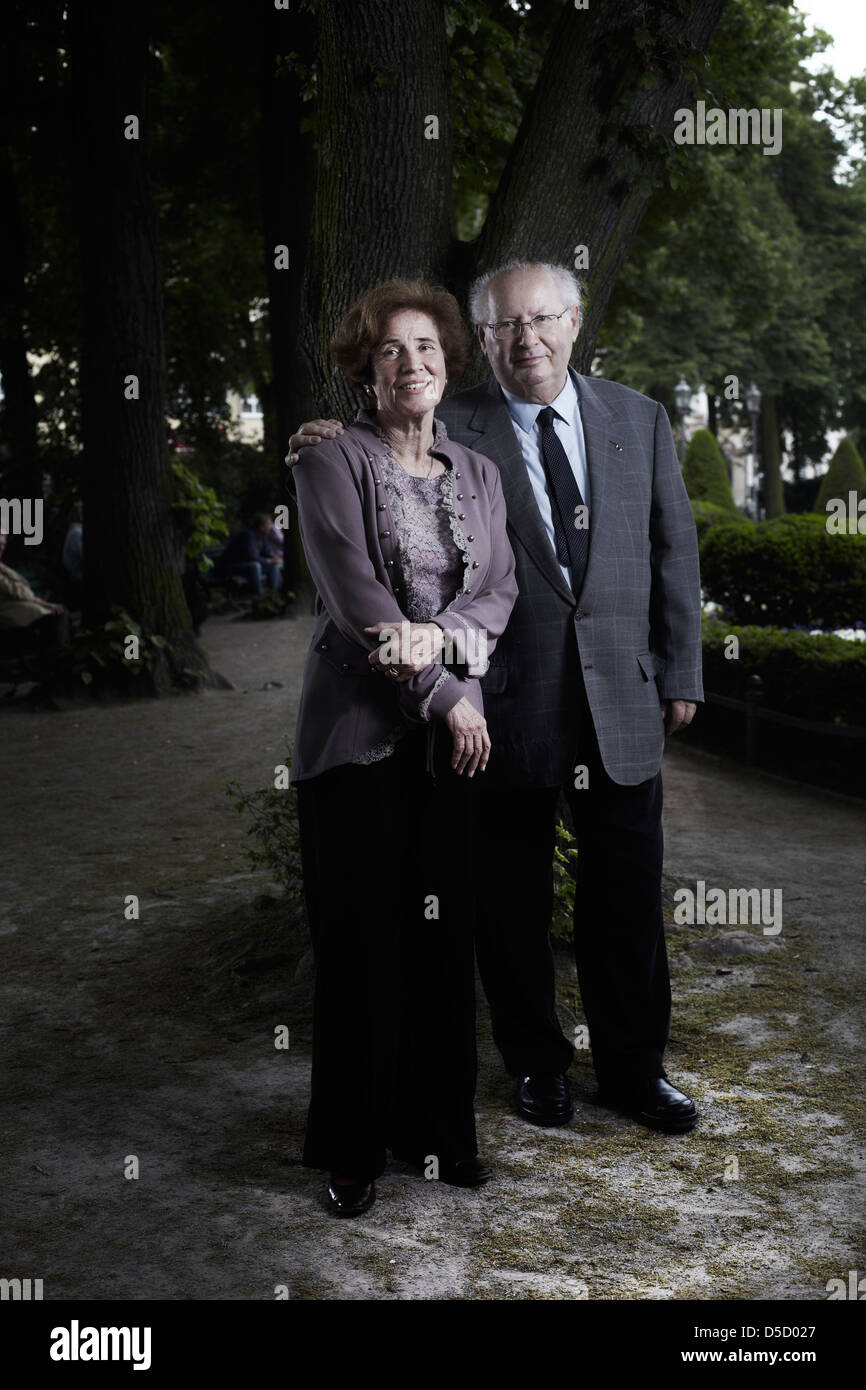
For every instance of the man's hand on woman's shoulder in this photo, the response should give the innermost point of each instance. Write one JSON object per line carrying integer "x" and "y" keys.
{"x": 311, "y": 432}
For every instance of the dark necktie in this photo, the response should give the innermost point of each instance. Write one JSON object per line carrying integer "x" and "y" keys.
{"x": 572, "y": 542}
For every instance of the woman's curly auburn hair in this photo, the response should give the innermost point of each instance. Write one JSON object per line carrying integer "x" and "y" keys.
{"x": 363, "y": 327}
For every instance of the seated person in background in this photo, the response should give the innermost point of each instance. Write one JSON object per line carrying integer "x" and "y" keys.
{"x": 73, "y": 556}
{"x": 28, "y": 623}
{"x": 274, "y": 543}
{"x": 247, "y": 554}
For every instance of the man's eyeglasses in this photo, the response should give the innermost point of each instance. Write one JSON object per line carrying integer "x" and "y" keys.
{"x": 507, "y": 329}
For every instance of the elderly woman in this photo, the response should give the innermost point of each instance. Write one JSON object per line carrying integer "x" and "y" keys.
{"x": 404, "y": 534}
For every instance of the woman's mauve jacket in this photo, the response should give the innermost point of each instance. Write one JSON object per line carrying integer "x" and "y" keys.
{"x": 350, "y": 542}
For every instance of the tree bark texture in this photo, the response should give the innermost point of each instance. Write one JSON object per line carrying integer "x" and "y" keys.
{"x": 20, "y": 475}
{"x": 287, "y": 174}
{"x": 771, "y": 456}
{"x": 19, "y": 467}
{"x": 132, "y": 552}
{"x": 580, "y": 172}
{"x": 382, "y": 204}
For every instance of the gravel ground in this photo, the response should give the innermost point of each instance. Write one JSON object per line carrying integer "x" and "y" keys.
{"x": 147, "y": 1045}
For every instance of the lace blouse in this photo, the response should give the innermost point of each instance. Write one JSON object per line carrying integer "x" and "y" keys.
{"x": 432, "y": 561}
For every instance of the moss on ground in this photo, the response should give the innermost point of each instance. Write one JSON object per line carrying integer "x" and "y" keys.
{"x": 774, "y": 1097}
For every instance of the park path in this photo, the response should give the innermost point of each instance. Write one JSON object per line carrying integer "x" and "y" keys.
{"x": 148, "y": 1045}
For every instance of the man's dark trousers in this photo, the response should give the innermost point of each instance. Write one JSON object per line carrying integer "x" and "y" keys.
{"x": 618, "y": 929}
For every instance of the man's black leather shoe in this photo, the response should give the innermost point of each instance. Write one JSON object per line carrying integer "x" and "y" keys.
{"x": 465, "y": 1172}
{"x": 544, "y": 1099}
{"x": 653, "y": 1102}
{"x": 351, "y": 1199}
{"x": 459, "y": 1172}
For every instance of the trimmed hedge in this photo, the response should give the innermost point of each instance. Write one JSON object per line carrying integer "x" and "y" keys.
{"x": 821, "y": 678}
{"x": 845, "y": 474}
{"x": 705, "y": 472}
{"x": 786, "y": 572}
{"x": 709, "y": 514}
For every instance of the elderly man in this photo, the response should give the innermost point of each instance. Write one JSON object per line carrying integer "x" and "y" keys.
{"x": 601, "y": 658}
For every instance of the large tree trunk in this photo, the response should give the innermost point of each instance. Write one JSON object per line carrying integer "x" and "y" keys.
{"x": 771, "y": 456}
{"x": 382, "y": 204}
{"x": 132, "y": 551}
{"x": 20, "y": 475}
{"x": 287, "y": 175}
{"x": 580, "y": 171}
{"x": 19, "y": 464}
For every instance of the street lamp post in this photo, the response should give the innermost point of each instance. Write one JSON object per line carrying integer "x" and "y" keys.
{"x": 682, "y": 398}
{"x": 753, "y": 405}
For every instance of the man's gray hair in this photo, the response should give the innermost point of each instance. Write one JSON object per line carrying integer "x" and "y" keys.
{"x": 478, "y": 291}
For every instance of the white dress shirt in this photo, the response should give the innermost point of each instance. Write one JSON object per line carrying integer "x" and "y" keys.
{"x": 569, "y": 431}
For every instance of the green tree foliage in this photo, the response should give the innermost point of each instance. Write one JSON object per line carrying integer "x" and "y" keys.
{"x": 790, "y": 572}
{"x": 705, "y": 472}
{"x": 743, "y": 265}
{"x": 205, "y": 131}
{"x": 708, "y": 514}
{"x": 845, "y": 474}
{"x": 750, "y": 266}
{"x": 818, "y": 677}
{"x": 579, "y": 171}
{"x": 202, "y": 130}
{"x": 495, "y": 54}
{"x": 201, "y": 516}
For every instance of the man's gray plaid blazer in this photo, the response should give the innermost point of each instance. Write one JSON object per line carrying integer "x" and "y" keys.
{"x": 637, "y": 619}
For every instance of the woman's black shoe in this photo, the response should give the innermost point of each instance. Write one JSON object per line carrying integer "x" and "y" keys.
{"x": 350, "y": 1199}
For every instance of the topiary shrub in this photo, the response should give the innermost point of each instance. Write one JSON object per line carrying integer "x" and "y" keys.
{"x": 709, "y": 514}
{"x": 822, "y": 677}
{"x": 705, "y": 472}
{"x": 786, "y": 572}
{"x": 845, "y": 474}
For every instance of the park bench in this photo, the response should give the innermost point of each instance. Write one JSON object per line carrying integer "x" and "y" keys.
{"x": 231, "y": 586}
